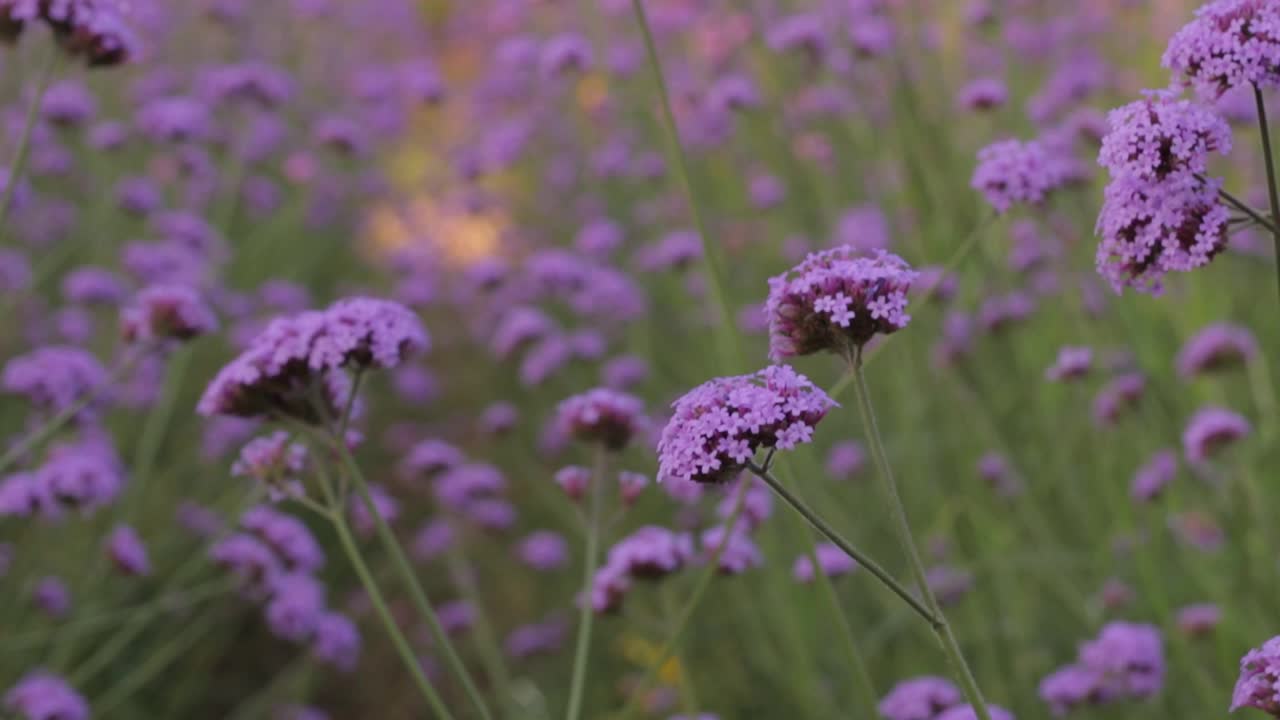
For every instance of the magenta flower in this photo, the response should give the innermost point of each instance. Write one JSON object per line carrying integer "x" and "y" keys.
{"x": 54, "y": 378}
{"x": 738, "y": 554}
{"x": 1073, "y": 686}
{"x": 1159, "y": 137}
{"x": 336, "y": 641}
{"x": 1201, "y": 619}
{"x": 985, "y": 93}
{"x": 1153, "y": 477}
{"x": 603, "y": 416}
{"x": 1217, "y": 347}
{"x": 1073, "y": 363}
{"x": 1130, "y": 656}
{"x": 1013, "y": 172}
{"x": 1259, "y": 683}
{"x": 922, "y": 698}
{"x": 718, "y": 426}
{"x": 1211, "y": 430}
{"x": 845, "y": 460}
{"x": 544, "y": 550}
{"x": 174, "y": 312}
{"x": 1231, "y": 43}
{"x": 285, "y": 535}
{"x": 41, "y": 695}
{"x": 837, "y": 300}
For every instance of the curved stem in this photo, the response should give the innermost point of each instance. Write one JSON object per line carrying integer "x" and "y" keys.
{"x": 380, "y": 606}
{"x": 24, "y": 141}
{"x": 416, "y": 593}
{"x": 586, "y": 614}
{"x": 940, "y": 626}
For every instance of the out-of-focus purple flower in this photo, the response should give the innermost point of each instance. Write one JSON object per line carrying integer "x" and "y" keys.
{"x": 86, "y": 474}
{"x": 41, "y": 695}
{"x": 93, "y": 286}
{"x": 54, "y": 378}
{"x": 565, "y": 53}
{"x": 384, "y": 504}
{"x": 802, "y": 33}
{"x": 766, "y": 191}
{"x": 1073, "y": 363}
{"x": 430, "y": 457}
{"x": 127, "y": 552}
{"x": 498, "y": 418}
{"x": 274, "y": 462}
{"x": 601, "y": 416}
{"x": 1013, "y": 172}
{"x": 1217, "y": 347}
{"x": 457, "y": 616}
{"x": 336, "y": 640}
{"x": 251, "y": 561}
{"x": 837, "y": 300}
{"x": 167, "y": 312}
{"x": 966, "y": 712}
{"x": 342, "y": 135}
{"x": 732, "y": 92}
{"x": 631, "y": 485}
{"x": 921, "y": 698}
{"x": 1210, "y": 431}
{"x": 984, "y": 93}
{"x": 433, "y": 539}
{"x": 599, "y": 237}
{"x": 1230, "y": 43}
{"x": 287, "y": 536}
{"x": 831, "y": 559}
{"x": 624, "y": 372}
{"x": 738, "y": 554}
{"x": 1129, "y": 656}
{"x": 535, "y": 639}
{"x": 67, "y": 104}
{"x": 175, "y": 119}
{"x": 519, "y": 327}
{"x": 1154, "y": 476}
{"x": 864, "y": 229}
{"x": 1121, "y": 394}
{"x": 845, "y": 460}
{"x": 1259, "y": 683}
{"x": 676, "y": 250}
{"x": 15, "y": 271}
{"x": 295, "y": 607}
{"x": 544, "y": 550}
{"x": 948, "y": 583}
{"x": 718, "y": 426}
{"x": 52, "y": 596}
{"x": 573, "y": 480}
{"x": 1199, "y": 619}
{"x": 649, "y": 553}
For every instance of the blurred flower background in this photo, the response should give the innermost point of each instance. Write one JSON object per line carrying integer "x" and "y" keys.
{"x": 344, "y": 339}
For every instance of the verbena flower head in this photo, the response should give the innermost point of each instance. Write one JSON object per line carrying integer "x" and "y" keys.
{"x": 127, "y": 552}
{"x": 837, "y": 300}
{"x": 738, "y": 552}
{"x": 603, "y": 416}
{"x": 649, "y": 553}
{"x": 544, "y": 550}
{"x": 1146, "y": 231}
{"x": 1199, "y": 619}
{"x": 286, "y": 536}
{"x": 832, "y": 562}
{"x": 295, "y": 607}
{"x": 1230, "y": 43}
{"x": 845, "y": 460}
{"x": 172, "y": 312}
{"x": 41, "y": 695}
{"x": 1073, "y": 686}
{"x": 1161, "y": 136}
{"x": 1153, "y": 477}
{"x": 54, "y": 378}
{"x": 922, "y": 698}
{"x": 1259, "y": 683}
{"x": 1211, "y": 430}
{"x": 275, "y": 462}
{"x": 1217, "y": 347}
{"x": 336, "y": 641}
{"x": 1130, "y": 656}
{"x": 1013, "y": 172}
{"x": 297, "y": 357}
{"x": 718, "y": 426}
{"x": 1073, "y": 363}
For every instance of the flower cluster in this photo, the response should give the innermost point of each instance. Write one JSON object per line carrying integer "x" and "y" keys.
{"x": 1160, "y": 137}
{"x": 921, "y": 698}
{"x": 837, "y": 300}
{"x": 1013, "y": 172}
{"x": 1211, "y": 430}
{"x": 603, "y": 416}
{"x": 54, "y": 378}
{"x": 167, "y": 312}
{"x": 1259, "y": 683}
{"x": 647, "y": 554}
{"x": 274, "y": 462}
{"x": 1230, "y": 44}
{"x": 1216, "y": 347}
{"x": 93, "y": 29}
{"x": 718, "y": 426}
{"x": 41, "y": 695}
{"x": 1125, "y": 661}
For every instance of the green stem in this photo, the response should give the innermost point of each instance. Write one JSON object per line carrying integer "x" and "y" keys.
{"x": 155, "y": 663}
{"x": 939, "y": 623}
{"x": 380, "y": 606}
{"x": 24, "y": 141}
{"x": 487, "y": 639}
{"x": 1244, "y": 207}
{"x": 725, "y": 328}
{"x": 158, "y": 422}
{"x": 586, "y": 614}
{"x": 1272, "y": 194}
{"x": 416, "y": 593}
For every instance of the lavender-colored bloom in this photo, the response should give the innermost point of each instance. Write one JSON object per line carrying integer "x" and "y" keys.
{"x": 757, "y": 505}
{"x": 565, "y": 53}
{"x": 457, "y": 616}
{"x": 983, "y": 94}
{"x": 175, "y": 119}
{"x": 738, "y": 552}
{"x": 1130, "y": 657}
{"x": 1199, "y": 619}
{"x": 949, "y": 584}
{"x": 54, "y": 378}
{"x": 1231, "y": 43}
{"x": 845, "y": 460}
{"x": 1146, "y": 231}
{"x": 274, "y": 462}
{"x": 498, "y": 418}
{"x": 544, "y": 550}
{"x": 801, "y": 33}
{"x": 433, "y": 539}
{"x": 52, "y": 596}
{"x": 601, "y": 416}
{"x": 15, "y": 271}
{"x": 766, "y": 191}
{"x": 1073, "y": 686}
{"x": 732, "y": 92}
{"x": 1154, "y": 476}
{"x": 832, "y": 560}
{"x": 649, "y": 553}
{"x": 167, "y": 312}
{"x": 624, "y": 371}
{"x": 718, "y": 426}
{"x": 336, "y": 641}
{"x": 535, "y": 639}
{"x": 676, "y": 250}
{"x": 85, "y": 475}
{"x": 138, "y": 195}
{"x": 429, "y": 458}
{"x": 1259, "y": 683}
{"x": 251, "y": 561}
{"x": 1160, "y": 137}
{"x": 966, "y": 712}
{"x": 41, "y": 695}
{"x": 837, "y": 300}
{"x": 384, "y": 504}
{"x": 1122, "y": 393}
{"x": 519, "y": 327}
{"x": 127, "y": 552}
{"x": 287, "y": 536}
{"x": 921, "y": 698}
{"x": 1012, "y": 172}
{"x": 599, "y": 237}
{"x": 68, "y": 103}
{"x": 631, "y": 485}
{"x": 1073, "y": 363}
{"x": 295, "y": 607}
{"x": 1211, "y": 430}
{"x": 342, "y": 135}
{"x": 1217, "y": 347}
{"x": 573, "y": 480}
{"x": 464, "y": 484}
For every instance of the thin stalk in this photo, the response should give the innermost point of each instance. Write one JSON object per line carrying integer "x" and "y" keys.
{"x": 158, "y": 422}
{"x": 1245, "y": 208}
{"x": 154, "y": 664}
{"x": 487, "y": 639}
{"x": 725, "y": 327}
{"x": 845, "y": 546}
{"x": 380, "y": 606}
{"x": 1272, "y": 193}
{"x": 586, "y": 614}
{"x": 939, "y": 623}
{"x": 24, "y": 141}
{"x": 416, "y": 593}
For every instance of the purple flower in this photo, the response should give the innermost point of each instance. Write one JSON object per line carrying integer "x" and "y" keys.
{"x": 1072, "y": 686}
{"x": 1148, "y": 230}
{"x": 738, "y": 554}
{"x": 295, "y": 607}
{"x": 1216, "y": 347}
{"x": 921, "y": 698}
{"x": 86, "y": 474}
{"x": 174, "y": 312}
{"x": 1073, "y": 363}
{"x": 384, "y": 504}
{"x": 601, "y": 416}
{"x": 1013, "y": 172}
{"x": 832, "y": 560}
{"x": 1122, "y": 393}
{"x": 801, "y": 33}
{"x": 1153, "y": 477}
{"x": 544, "y": 550}
{"x": 519, "y": 327}
{"x": 336, "y": 640}
{"x": 837, "y": 300}
{"x": 535, "y": 639}
{"x": 573, "y": 480}
{"x": 1211, "y": 430}
{"x": 68, "y": 103}
{"x": 1130, "y": 657}
{"x": 1229, "y": 44}
{"x": 845, "y": 460}
{"x": 599, "y": 237}
{"x": 966, "y": 712}
{"x": 1160, "y": 137}
{"x": 41, "y": 695}
{"x": 624, "y": 371}
{"x": 253, "y": 563}
{"x": 126, "y": 550}
{"x": 983, "y": 94}
{"x": 274, "y": 462}
{"x": 432, "y": 539}
{"x": 287, "y": 536}
{"x": 718, "y": 426}
{"x": 1259, "y": 683}
{"x": 1199, "y": 619}
{"x": 565, "y": 53}
{"x": 52, "y": 596}
{"x": 429, "y": 458}
{"x": 175, "y": 119}
{"x": 949, "y": 584}
{"x": 54, "y": 378}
